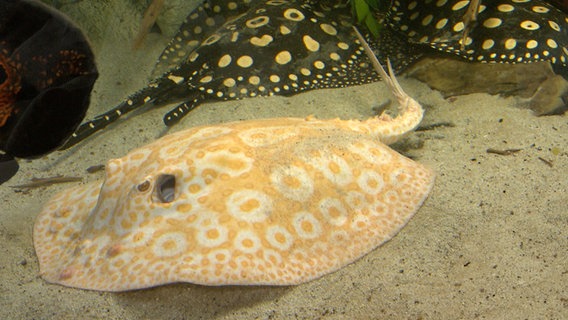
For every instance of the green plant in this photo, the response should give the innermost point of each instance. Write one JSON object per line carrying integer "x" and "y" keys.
{"x": 363, "y": 12}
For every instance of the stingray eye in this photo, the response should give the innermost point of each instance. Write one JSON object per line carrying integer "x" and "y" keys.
{"x": 143, "y": 186}
{"x": 165, "y": 188}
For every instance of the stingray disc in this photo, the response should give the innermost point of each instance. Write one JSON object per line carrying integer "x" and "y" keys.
{"x": 262, "y": 202}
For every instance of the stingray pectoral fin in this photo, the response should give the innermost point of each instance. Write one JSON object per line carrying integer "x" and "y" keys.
{"x": 208, "y": 17}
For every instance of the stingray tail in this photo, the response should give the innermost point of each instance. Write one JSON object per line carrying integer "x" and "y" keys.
{"x": 410, "y": 111}
{"x": 101, "y": 121}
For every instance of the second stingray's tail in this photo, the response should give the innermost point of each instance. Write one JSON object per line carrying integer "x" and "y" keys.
{"x": 101, "y": 121}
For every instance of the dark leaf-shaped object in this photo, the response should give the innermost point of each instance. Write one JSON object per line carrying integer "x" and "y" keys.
{"x": 47, "y": 72}
{"x": 8, "y": 167}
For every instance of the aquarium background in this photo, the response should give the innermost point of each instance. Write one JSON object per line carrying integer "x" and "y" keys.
{"x": 489, "y": 243}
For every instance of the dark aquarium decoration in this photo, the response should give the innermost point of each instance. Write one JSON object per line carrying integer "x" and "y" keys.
{"x": 47, "y": 72}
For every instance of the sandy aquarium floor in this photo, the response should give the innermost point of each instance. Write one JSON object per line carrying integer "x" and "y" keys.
{"x": 491, "y": 242}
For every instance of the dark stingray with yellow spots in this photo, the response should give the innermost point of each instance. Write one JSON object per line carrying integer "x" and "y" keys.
{"x": 229, "y": 50}
{"x": 506, "y": 31}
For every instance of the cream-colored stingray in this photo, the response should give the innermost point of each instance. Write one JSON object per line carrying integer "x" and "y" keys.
{"x": 275, "y": 202}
